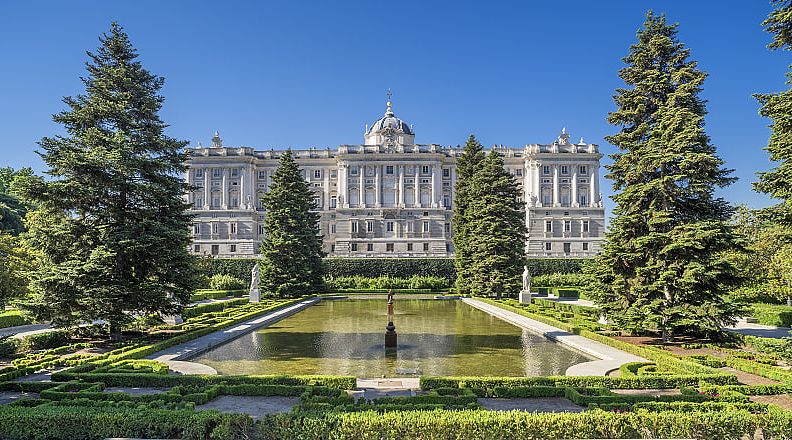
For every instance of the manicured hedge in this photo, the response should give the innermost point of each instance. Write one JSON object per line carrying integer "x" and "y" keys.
{"x": 633, "y": 382}
{"x": 480, "y": 425}
{"x": 391, "y": 267}
{"x": 13, "y": 318}
{"x": 70, "y": 423}
{"x": 772, "y": 314}
{"x": 213, "y": 307}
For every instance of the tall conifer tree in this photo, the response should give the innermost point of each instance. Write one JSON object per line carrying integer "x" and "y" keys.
{"x": 778, "y": 107}
{"x": 292, "y": 248}
{"x": 467, "y": 164}
{"x": 112, "y": 227}
{"x": 662, "y": 267}
{"x": 495, "y": 228}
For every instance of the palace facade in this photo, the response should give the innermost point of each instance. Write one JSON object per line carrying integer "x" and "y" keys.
{"x": 391, "y": 197}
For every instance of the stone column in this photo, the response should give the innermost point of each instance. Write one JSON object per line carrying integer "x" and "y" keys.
{"x": 400, "y": 195}
{"x": 326, "y": 203}
{"x": 594, "y": 186}
{"x": 224, "y": 201}
{"x": 527, "y": 185}
{"x": 537, "y": 172}
{"x": 575, "y": 202}
{"x": 556, "y": 190}
{"x": 417, "y": 201}
{"x": 377, "y": 185}
{"x": 343, "y": 197}
{"x": 190, "y": 196}
{"x": 242, "y": 189}
{"x": 362, "y": 190}
{"x": 207, "y": 187}
{"x": 435, "y": 181}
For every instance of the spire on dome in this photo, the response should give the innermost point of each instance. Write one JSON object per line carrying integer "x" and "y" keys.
{"x": 389, "y": 111}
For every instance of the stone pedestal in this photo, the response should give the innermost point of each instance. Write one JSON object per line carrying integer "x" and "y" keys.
{"x": 255, "y": 295}
{"x": 173, "y": 319}
{"x": 525, "y": 297}
{"x": 390, "y": 336}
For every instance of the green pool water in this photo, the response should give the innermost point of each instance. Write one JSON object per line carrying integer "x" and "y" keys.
{"x": 436, "y": 337}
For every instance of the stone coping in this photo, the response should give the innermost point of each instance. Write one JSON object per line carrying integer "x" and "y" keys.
{"x": 609, "y": 358}
{"x": 177, "y": 357}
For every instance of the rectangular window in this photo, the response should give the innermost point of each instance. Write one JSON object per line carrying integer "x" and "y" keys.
{"x": 409, "y": 247}
{"x": 333, "y": 202}
{"x": 197, "y": 248}
{"x": 564, "y": 169}
{"x": 317, "y": 174}
{"x": 446, "y": 173}
{"x": 353, "y": 247}
{"x": 217, "y": 172}
{"x": 332, "y": 228}
{"x": 389, "y": 226}
{"x": 234, "y": 202}
{"x": 583, "y": 169}
{"x": 567, "y": 225}
{"x": 233, "y": 228}
{"x": 585, "y": 246}
{"x": 197, "y": 228}
{"x": 199, "y": 172}
{"x": 215, "y": 249}
{"x": 353, "y": 170}
{"x": 426, "y": 247}
{"x": 199, "y": 202}
{"x": 518, "y": 172}
{"x": 369, "y": 226}
{"x": 548, "y": 246}
{"x": 409, "y": 226}
{"x": 446, "y": 201}
{"x": 262, "y": 174}
{"x": 546, "y": 170}
{"x": 214, "y": 228}
{"x": 370, "y": 247}
{"x": 261, "y": 229}
{"x": 585, "y": 225}
{"x": 448, "y": 228}
{"x": 425, "y": 226}
{"x": 389, "y": 169}
{"x": 425, "y": 169}
{"x": 389, "y": 247}
{"x": 234, "y": 172}
{"x": 354, "y": 227}
{"x": 232, "y": 248}
{"x": 548, "y": 226}
{"x": 567, "y": 247}
{"x": 332, "y": 248}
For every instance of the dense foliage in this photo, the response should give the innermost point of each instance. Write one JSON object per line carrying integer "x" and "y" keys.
{"x": 390, "y": 267}
{"x": 663, "y": 267}
{"x": 385, "y": 282}
{"x": 226, "y": 282}
{"x": 112, "y": 227}
{"x": 292, "y": 249}
{"x": 467, "y": 164}
{"x": 495, "y": 222}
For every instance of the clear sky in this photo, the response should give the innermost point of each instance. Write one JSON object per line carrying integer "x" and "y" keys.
{"x": 311, "y": 74}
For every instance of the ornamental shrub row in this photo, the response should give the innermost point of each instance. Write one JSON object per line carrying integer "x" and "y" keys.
{"x": 194, "y": 311}
{"x": 561, "y": 280}
{"x": 13, "y": 318}
{"x": 635, "y": 382}
{"x": 772, "y": 314}
{"x": 221, "y": 281}
{"x": 386, "y": 282}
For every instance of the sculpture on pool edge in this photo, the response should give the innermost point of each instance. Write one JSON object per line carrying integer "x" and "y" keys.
{"x": 255, "y": 293}
{"x": 390, "y": 329}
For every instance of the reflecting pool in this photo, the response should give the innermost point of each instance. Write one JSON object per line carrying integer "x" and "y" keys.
{"x": 435, "y": 337}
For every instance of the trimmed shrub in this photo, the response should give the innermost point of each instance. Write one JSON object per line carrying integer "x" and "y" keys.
{"x": 225, "y": 282}
{"x": 198, "y": 310}
{"x": 772, "y": 314}
{"x": 239, "y": 268}
{"x": 8, "y": 346}
{"x": 43, "y": 341}
{"x": 13, "y": 318}
{"x": 560, "y": 280}
{"x": 386, "y": 282}
{"x": 391, "y": 267}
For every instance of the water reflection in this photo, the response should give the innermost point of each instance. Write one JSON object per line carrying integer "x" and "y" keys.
{"x": 435, "y": 338}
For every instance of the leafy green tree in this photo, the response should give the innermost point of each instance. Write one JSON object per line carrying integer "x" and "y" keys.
{"x": 778, "y": 106}
{"x": 664, "y": 266}
{"x": 495, "y": 229}
{"x": 14, "y": 262}
{"x": 112, "y": 226}
{"x": 467, "y": 164}
{"x": 12, "y": 208}
{"x": 780, "y": 274}
{"x": 292, "y": 249}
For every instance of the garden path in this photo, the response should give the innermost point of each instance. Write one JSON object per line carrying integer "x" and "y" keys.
{"x": 763, "y": 331}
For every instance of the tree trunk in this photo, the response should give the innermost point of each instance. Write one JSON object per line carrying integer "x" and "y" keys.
{"x": 115, "y": 329}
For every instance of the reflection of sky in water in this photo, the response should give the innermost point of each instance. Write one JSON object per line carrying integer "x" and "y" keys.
{"x": 346, "y": 337}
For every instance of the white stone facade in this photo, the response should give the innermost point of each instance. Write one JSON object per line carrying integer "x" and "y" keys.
{"x": 391, "y": 197}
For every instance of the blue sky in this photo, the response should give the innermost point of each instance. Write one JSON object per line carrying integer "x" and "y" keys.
{"x": 311, "y": 74}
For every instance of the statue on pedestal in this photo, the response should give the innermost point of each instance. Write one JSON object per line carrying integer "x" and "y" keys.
{"x": 526, "y": 280}
{"x": 390, "y": 329}
{"x": 255, "y": 294}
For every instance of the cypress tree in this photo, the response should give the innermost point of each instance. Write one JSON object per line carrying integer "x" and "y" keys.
{"x": 778, "y": 107}
{"x": 663, "y": 266}
{"x": 292, "y": 249}
{"x": 112, "y": 227}
{"x": 467, "y": 164}
{"x": 495, "y": 229}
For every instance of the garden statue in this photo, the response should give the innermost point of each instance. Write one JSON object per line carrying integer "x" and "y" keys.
{"x": 390, "y": 329}
{"x": 525, "y": 294}
{"x": 255, "y": 294}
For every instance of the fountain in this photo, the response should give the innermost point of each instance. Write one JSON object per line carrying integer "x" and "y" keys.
{"x": 390, "y": 329}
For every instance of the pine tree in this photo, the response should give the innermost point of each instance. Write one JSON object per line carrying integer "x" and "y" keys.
{"x": 112, "y": 226}
{"x": 663, "y": 266}
{"x": 12, "y": 208}
{"x": 292, "y": 249}
{"x": 778, "y": 107}
{"x": 467, "y": 164}
{"x": 496, "y": 231}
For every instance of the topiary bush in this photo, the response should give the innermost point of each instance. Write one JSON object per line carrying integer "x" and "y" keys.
{"x": 44, "y": 341}
{"x": 225, "y": 282}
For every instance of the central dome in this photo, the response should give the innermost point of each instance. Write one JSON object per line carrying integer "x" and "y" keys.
{"x": 389, "y": 120}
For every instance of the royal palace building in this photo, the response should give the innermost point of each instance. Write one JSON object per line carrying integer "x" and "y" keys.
{"x": 391, "y": 197}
